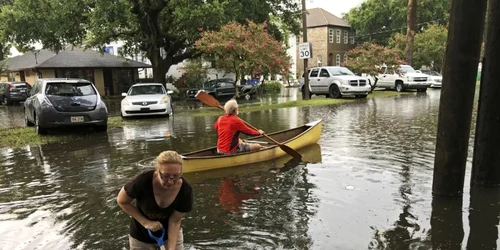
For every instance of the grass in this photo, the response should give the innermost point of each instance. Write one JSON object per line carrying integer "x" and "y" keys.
{"x": 22, "y": 136}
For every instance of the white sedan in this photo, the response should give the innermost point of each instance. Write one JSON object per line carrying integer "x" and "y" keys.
{"x": 144, "y": 99}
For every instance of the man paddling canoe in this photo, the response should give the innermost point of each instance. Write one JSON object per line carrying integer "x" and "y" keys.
{"x": 229, "y": 127}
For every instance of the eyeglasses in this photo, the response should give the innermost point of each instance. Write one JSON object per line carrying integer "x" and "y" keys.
{"x": 166, "y": 177}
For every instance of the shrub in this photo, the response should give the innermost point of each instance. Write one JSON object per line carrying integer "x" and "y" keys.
{"x": 270, "y": 87}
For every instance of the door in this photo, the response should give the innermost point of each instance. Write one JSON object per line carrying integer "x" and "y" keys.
{"x": 383, "y": 78}
{"x": 314, "y": 80}
{"x": 108, "y": 82}
{"x": 323, "y": 81}
{"x": 30, "y": 102}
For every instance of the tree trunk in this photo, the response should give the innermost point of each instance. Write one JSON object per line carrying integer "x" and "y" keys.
{"x": 374, "y": 85}
{"x": 160, "y": 65}
{"x": 410, "y": 31}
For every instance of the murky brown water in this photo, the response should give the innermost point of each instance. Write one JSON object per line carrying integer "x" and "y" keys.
{"x": 367, "y": 186}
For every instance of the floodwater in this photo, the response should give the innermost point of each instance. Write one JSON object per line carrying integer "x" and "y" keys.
{"x": 366, "y": 185}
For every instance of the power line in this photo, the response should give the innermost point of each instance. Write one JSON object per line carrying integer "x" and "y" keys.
{"x": 395, "y": 29}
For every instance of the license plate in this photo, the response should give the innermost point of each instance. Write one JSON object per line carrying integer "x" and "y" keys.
{"x": 144, "y": 109}
{"x": 23, "y": 90}
{"x": 77, "y": 119}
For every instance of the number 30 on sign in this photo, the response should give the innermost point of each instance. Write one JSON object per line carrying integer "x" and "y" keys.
{"x": 305, "y": 50}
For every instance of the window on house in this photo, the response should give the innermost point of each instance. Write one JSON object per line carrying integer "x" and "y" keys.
{"x": 320, "y": 61}
{"x": 352, "y": 40}
{"x": 345, "y": 58}
{"x": 338, "y": 36}
{"x": 330, "y": 35}
{"x": 346, "y": 37}
{"x": 338, "y": 60}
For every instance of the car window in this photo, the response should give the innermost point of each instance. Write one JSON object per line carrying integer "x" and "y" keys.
{"x": 69, "y": 89}
{"x": 340, "y": 71}
{"x": 20, "y": 85}
{"x": 314, "y": 73}
{"x": 324, "y": 73}
{"x": 146, "y": 90}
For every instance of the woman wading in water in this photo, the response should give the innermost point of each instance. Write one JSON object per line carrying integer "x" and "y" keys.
{"x": 162, "y": 197}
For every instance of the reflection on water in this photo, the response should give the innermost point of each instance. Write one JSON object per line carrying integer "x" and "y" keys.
{"x": 366, "y": 185}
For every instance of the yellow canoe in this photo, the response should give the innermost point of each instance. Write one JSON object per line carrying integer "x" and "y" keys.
{"x": 310, "y": 154}
{"x": 296, "y": 138}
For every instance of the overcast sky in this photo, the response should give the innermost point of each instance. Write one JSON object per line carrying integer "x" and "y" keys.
{"x": 336, "y": 7}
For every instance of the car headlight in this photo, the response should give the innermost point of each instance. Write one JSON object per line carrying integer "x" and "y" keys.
{"x": 125, "y": 102}
{"x": 164, "y": 100}
{"x": 343, "y": 82}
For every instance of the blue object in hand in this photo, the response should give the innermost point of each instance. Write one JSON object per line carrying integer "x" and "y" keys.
{"x": 159, "y": 240}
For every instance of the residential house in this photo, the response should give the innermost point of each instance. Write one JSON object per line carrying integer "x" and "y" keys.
{"x": 112, "y": 75}
{"x": 330, "y": 36}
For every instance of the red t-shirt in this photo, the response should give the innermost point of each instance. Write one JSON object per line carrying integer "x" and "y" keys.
{"x": 228, "y": 129}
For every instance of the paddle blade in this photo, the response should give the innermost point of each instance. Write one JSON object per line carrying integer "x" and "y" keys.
{"x": 290, "y": 151}
{"x": 208, "y": 99}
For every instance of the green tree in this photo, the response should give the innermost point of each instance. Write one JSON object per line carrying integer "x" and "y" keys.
{"x": 378, "y": 20}
{"x": 368, "y": 57}
{"x": 195, "y": 73}
{"x": 430, "y": 47}
{"x": 164, "y": 30}
{"x": 245, "y": 50}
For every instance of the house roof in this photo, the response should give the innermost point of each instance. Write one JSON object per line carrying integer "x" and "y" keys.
{"x": 71, "y": 57}
{"x": 318, "y": 17}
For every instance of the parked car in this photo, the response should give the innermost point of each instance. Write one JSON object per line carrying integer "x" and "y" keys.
{"x": 435, "y": 78}
{"x": 11, "y": 92}
{"x": 59, "y": 102}
{"x": 335, "y": 82}
{"x": 143, "y": 99}
{"x": 223, "y": 87}
{"x": 402, "y": 77}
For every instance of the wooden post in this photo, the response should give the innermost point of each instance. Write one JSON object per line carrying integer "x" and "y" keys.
{"x": 486, "y": 162}
{"x": 304, "y": 40}
{"x": 483, "y": 218}
{"x": 446, "y": 223}
{"x": 457, "y": 95}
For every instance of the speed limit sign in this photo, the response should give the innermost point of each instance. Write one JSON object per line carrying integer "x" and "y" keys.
{"x": 305, "y": 50}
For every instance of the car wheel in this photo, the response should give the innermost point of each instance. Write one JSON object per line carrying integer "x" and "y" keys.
{"x": 39, "y": 130}
{"x": 247, "y": 96}
{"x": 335, "y": 91}
{"x": 399, "y": 86}
{"x": 27, "y": 121}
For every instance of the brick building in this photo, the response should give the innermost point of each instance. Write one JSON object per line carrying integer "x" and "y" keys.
{"x": 331, "y": 38}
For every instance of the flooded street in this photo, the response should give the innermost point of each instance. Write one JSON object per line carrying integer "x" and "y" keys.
{"x": 367, "y": 185}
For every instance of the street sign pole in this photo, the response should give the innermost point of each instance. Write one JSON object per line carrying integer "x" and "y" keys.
{"x": 306, "y": 60}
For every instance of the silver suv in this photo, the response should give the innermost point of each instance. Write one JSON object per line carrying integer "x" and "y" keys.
{"x": 57, "y": 102}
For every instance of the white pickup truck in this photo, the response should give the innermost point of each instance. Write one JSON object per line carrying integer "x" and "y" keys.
{"x": 335, "y": 82}
{"x": 402, "y": 78}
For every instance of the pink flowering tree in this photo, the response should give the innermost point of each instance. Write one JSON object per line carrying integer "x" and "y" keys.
{"x": 244, "y": 50}
{"x": 368, "y": 57}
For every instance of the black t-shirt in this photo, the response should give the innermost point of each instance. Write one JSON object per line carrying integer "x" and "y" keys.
{"x": 141, "y": 189}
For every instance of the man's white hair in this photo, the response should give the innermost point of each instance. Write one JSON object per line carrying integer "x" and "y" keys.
{"x": 230, "y": 106}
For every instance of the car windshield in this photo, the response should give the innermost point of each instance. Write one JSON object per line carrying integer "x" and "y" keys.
{"x": 20, "y": 85}
{"x": 69, "y": 89}
{"x": 146, "y": 90}
{"x": 434, "y": 73}
{"x": 406, "y": 69}
{"x": 340, "y": 71}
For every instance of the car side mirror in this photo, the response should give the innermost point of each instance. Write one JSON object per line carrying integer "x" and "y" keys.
{"x": 124, "y": 94}
{"x": 170, "y": 92}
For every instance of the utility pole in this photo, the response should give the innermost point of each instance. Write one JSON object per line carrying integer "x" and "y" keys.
{"x": 304, "y": 40}
{"x": 465, "y": 35}
{"x": 486, "y": 162}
